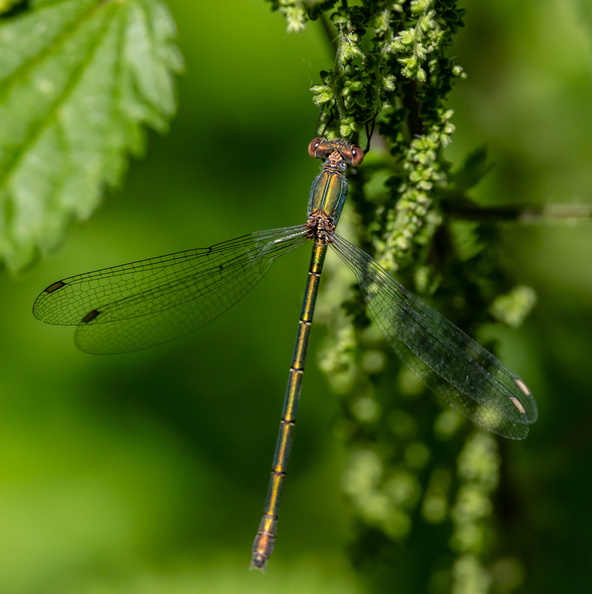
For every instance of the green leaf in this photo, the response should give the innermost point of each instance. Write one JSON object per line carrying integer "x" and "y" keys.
{"x": 473, "y": 170}
{"x": 78, "y": 80}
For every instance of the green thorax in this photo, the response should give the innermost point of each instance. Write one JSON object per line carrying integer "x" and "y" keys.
{"x": 328, "y": 193}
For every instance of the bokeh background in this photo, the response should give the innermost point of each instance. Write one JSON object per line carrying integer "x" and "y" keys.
{"x": 147, "y": 472}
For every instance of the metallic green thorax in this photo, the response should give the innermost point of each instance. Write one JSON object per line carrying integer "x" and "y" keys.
{"x": 328, "y": 194}
{"x": 329, "y": 189}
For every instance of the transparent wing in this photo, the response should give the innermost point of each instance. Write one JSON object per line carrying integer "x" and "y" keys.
{"x": 448, "y": 361}
{"x": 141, "y": 304}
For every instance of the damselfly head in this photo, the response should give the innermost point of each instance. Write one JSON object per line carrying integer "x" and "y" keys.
{"x": 319, "y": 148}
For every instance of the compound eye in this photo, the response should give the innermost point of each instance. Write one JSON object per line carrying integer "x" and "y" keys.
{"x": 313, "y": 146}
{"x": 357, "y": 155}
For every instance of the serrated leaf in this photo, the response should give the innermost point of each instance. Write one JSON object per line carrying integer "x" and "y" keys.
{"x": 78, "y": 80}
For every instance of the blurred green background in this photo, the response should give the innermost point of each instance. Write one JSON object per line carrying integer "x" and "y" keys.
{"x": 147, "y": 472}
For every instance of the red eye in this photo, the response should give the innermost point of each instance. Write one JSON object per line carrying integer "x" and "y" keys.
{"x": 357, "y": 155}
{"x": 313, "y": 146}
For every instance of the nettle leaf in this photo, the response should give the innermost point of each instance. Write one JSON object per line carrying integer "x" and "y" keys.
{"x": 78, "y": 80}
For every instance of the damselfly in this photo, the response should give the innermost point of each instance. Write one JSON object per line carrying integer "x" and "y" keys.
{"x": 141, "y": 304}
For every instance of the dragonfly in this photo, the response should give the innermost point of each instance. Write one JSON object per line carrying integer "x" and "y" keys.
{"x": 148, "y": 302}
